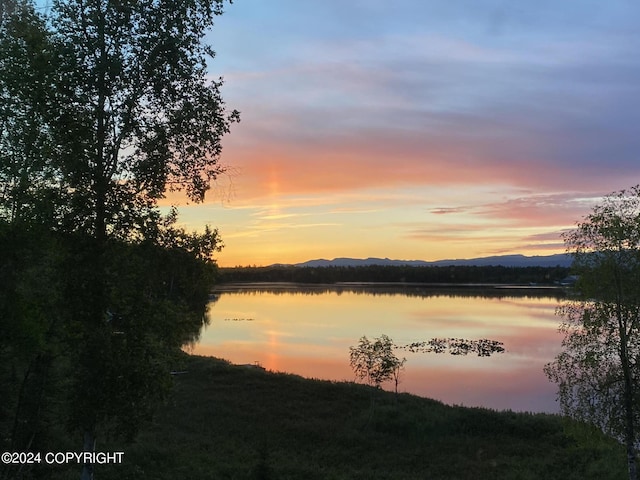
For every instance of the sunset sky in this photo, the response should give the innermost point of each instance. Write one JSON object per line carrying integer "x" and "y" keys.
{"x": 420, "y": 129}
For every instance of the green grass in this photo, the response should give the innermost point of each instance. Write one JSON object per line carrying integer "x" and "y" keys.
{"x": 232, "y": 422}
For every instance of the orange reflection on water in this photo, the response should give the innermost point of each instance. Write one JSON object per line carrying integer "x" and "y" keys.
{"x": 309, "y": 334}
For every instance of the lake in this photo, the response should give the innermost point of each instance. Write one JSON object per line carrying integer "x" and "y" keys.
{"x": 308, "y": 331}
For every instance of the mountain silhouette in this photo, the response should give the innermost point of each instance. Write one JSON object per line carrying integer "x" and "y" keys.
{"x": 561, "y": 259}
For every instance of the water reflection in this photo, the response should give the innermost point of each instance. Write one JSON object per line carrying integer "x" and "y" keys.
{"x": 308, "y": 331}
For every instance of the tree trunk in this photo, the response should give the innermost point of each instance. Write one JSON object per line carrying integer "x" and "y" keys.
{"x": 89, "y": 446}
{"x": 629, "y": 430}
{"x": 30, "y": 401}
{"x": 629, "y": 427}
{"x": 100, "y": 191}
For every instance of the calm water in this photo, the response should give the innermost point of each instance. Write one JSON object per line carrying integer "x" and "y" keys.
{"x": 309, "y": 332}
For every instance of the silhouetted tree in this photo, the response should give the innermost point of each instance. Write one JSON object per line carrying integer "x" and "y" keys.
{"x": 598, "y": 371}
{"x": 105, "y": 106}
{"x": 375, "y": 361}
{"x": 28, "y": 170}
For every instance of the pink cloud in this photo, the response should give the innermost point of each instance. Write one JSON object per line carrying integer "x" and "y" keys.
{"x": 393, "y": 159}
{"x": 540, "y": 209}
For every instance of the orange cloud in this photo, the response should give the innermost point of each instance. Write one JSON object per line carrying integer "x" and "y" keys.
{"x": 372, "y": 159}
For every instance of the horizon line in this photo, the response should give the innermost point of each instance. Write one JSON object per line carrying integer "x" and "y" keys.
{"x": 362, "y": 259}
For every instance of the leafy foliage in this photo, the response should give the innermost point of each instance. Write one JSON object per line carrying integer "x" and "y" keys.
{"x": 28, "y": 173}
{"x": 136, "y": 98}
{"x": 598, "y": 371}
{"x": 156, "y": 301}
{"x": 588, "y": 370}
{"x": 104, "y": 107}
{"x": 30, "y": 296}
{"x": 374, "y": 361}
{"x": 57, "y": 370}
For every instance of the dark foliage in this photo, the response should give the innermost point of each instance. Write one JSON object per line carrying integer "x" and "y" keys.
{"x": 408, "y": 274}
{"x": 598, "y": 371}
{"x": 456, "y": 346}
{"x": 104, "y": 107}
{"x": 232, "y": 422}
{"x": 156, "y": 303}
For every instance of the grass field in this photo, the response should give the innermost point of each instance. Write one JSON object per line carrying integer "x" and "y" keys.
{"x": 232, "y": 422}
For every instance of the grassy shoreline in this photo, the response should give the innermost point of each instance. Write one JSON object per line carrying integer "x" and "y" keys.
{"x": 225, "y": 421}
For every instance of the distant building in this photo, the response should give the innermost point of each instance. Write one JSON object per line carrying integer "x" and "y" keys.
{"x": 569, "y": 281}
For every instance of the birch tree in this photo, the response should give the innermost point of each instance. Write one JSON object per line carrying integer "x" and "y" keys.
{"x": 374, "y": 361}
{"x": 106, "y": 105}
{"x": 597, "y": 372}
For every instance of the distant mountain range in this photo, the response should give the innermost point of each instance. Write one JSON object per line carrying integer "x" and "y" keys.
{"x": 561, "y": 259}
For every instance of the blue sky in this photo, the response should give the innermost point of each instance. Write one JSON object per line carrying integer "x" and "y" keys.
{"x": 420, "y": 129}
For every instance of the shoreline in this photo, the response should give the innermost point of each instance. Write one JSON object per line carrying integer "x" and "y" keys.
{"x": 240, "y": 286}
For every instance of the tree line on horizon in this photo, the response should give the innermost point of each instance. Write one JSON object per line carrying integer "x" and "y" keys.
{"x": 399, "y": 274}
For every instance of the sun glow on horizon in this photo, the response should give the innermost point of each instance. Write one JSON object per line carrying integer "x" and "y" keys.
{"x": 445, "y": 134}
{"x": 404, "y": 224}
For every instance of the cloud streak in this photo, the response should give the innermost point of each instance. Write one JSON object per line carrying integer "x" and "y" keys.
{"x": 527, "y": 113}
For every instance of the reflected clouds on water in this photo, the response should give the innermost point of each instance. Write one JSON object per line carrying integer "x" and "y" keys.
{"x": 308, "y": 331}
